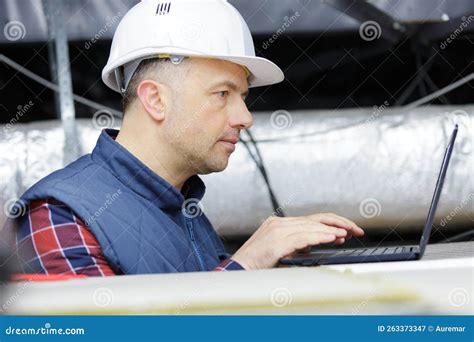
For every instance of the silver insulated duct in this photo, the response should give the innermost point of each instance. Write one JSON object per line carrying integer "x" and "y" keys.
{"x": 376, "y": 166}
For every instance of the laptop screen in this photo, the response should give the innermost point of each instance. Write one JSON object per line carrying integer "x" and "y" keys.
{"x": 439, "y": 187}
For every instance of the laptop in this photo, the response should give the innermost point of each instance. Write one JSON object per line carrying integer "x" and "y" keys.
{"x": 377, "y": 254}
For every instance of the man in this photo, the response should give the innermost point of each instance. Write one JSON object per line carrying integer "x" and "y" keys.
{"x": 184, "y": 69}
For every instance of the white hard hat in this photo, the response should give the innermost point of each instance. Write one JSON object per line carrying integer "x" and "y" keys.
{"x": 184, "y": 28}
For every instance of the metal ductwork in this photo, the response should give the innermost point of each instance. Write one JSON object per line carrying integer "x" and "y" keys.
{"x": 377, "y": 166}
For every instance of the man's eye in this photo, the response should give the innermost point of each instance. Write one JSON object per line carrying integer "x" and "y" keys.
{"x": 223, "y": 93}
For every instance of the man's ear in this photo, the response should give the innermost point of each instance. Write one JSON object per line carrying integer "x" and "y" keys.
{"x": 152, "y": 96}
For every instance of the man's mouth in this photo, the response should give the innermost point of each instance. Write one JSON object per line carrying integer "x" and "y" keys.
{"x": 229, "y": 143}
{"x": 231, "y": 140}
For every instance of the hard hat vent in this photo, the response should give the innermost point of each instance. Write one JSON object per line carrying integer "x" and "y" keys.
{"x": 163, "y": 8}
{"x": 211, "y": 29}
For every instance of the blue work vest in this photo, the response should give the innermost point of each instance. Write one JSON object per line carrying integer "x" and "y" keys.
{"x": 142, "y": 223}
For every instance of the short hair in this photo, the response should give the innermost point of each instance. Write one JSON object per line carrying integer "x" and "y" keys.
{"x": 158, "y": 69}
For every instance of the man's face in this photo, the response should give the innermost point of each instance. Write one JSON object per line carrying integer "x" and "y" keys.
{"x": 208, "y": 107}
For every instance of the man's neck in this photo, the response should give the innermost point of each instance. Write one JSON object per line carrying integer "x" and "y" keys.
{"x": 154, "y": 158}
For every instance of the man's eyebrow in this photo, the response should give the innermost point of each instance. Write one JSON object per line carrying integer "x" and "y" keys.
{"x": 230, "y": 85}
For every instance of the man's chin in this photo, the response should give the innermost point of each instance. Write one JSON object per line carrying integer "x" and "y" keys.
{"x": 216, "y": 165}
{"x": 219, "y": 168}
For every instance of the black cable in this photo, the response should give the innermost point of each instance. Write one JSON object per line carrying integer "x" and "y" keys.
{"x": 257, "y": 158}
{"x": 53, "y": 86}
{"x": 435, "y": 88}
{"x": 459, "y": 237}
{"x": 417, "y": 80}
{"x": 419, "y": 64}
{"x": 276, "y": 206}
{"x": 427, "y": 77}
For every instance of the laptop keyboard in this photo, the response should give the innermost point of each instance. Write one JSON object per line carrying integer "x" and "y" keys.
{"x": 374, "y": 251}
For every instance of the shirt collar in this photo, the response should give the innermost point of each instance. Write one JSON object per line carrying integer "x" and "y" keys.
{"x": 139, "y": 177}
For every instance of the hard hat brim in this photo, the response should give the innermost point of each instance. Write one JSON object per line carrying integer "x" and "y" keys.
{"x": 263, "y": 71}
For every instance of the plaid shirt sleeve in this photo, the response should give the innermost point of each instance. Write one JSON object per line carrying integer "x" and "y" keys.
{"x": 53, "y": 240}
{"x": 229, "y": 265}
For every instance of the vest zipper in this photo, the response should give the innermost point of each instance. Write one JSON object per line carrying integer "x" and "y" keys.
{"x": 189, "y": 225}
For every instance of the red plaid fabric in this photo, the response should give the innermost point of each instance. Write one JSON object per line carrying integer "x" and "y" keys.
{"x": 228, "y": 265}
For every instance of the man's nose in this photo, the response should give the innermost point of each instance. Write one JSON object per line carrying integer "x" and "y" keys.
{"x": 241, "y": 117}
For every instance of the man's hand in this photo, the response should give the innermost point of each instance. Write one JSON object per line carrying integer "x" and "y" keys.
{"x": 278, "y": 237}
